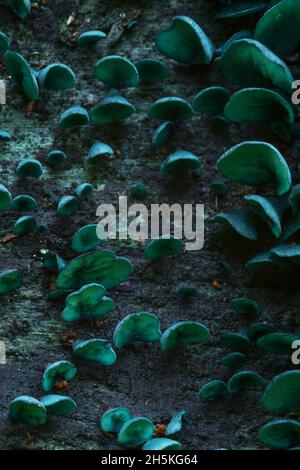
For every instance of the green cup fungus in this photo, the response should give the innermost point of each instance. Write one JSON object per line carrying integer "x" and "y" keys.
{"x": 175, "y": 424}
{"x": 282, "y": 433}
{"x": 21, "y": 72}
{"x": 276, "y": 342}
{"x": 10, "y": 280}
{"x": 58, "y": 405}
{"x": 258, "y": 330}
{"x": 21, "y": 8}
{"x": 171, "y": 108}
{"x": 242, "y": 221}
{"x": 139, "y": 190}
{"x": 116, "y": 71}
{"x": 185, "y": 42}
{"x": 162, "y": 248}
{"x": 213, "y": 389}
{"x": 180, "y": 163}
{"x": 56, "y": 158}
{"x": 245, "y": 380}
{"x": 83, "y": 190}
{"x": 99, "y": 151}
{"x": 5, "y": 136}
{"x": 5, "y": 198}
{"x": 249, "y": 63}
{"x": 211, "y": 100}
{"x": 29, "y": 168}
{"x": 143, "y": 327}
{"x": 23, "y": 203}
{"x": 246, "y": 307}
{"x": 67, "y": 205}
{"x": 85, "y": 239}
{"x": 163, "y": 134}
{"x": 256, "y": 163}
{"x": 283, "y": 393}
{"x": 102, "y": 267}
{"x": 113, "y": 108}
{"x": 187, "y": 332}
{"x": 135, "y": 432}
{"x": 74, "y": 117}
{"x": 152, "y": 70}
{"x": 269, "y": 210}
{"x": 4, "y": 43}
{"x": 57, "y": 372}
{"x": 113, "y": 419}
{"x": 239, "y": 8}
{"x": 89, "y": 302}
{"x": 237, "y": 342}
{"x": 53, "y": 261}
{"x": 186, "y": 291}
{"x": 95, "y": 350}
{"x": 90, "y": 38}
{"x": 162, "y": 443}
{"x": 27, "y": 410}
{"x": 56, "y": 77}
{"x": 25, "y": 224}
{"x": 243, "y": 34}
{"x": 234, "y": 359}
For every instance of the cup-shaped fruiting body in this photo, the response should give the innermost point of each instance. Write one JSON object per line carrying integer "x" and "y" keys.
{"x": 90, "y": 38}
{"x": 117, "y": 71}
{"x": 112, "y": 108}
{"x": 185, "y": 42}
{"x": 27, "y": 410}
{"x": 245, "y": 306}
{"x": 56, "y": 77}
{"x": 180, "y": 163}
{"x": 242, "y": 221}
{"x": 99, "y": 151}
{"x": 258, "y": 330}
{"x": 283, "y": 393}
{"x": 87, "y": 303}
{"x": 139, "y": 190}
{"x": 5, "y": 136}
{"x": 58, "y": 405}
{"x": 4, "y": 43}
{"x": 152, "y": 70}
{"x": 85, "y": 239}
{"x": 21, "y": 72}
{"x": 23, "y": 203}
{"x": 95, "y": 350}
{"x": 102, "y": 267}
{"x": 234, "y": 359}
{"x": 249, "y": 63}
{"x": 67, "y": 205}
{"x": 162, "y": 248}
{"x": 163, "y": 134}
{"x": 211, "y": 100}
{"x": 175, "y": 425}
{"x": 112, "y": 420}
{"x": 74, "y": 117}
{"x": 83, "y": 190}
{"x": 135, "y": 432}
{"x": 219, "y": 187}
{"x": 237, "y": 342}
{"x": 171, "y": 108}
{"x": 53, "y": 261}
{"x": 162, "y": 443}
{"x": 278, "y": 343}
{"x": 25, "y": 224}
{"x": 56, "y": 158}
{"x": 29, "y": 168}
{"x": 186, "y": 291}
{"x": 245, "y": 380}
{"x": 188, "y": 332}
{"x": 5, "y": 197}
{"x": 21, "y": 8}
{"x": 10, "y": 280}
{"x": 56, "y": 373}
{"x": 256, "y": 163}
{"x": 282, "y": 433}
{"x": 213, "y": 389}
{"x": 144, "y": 327}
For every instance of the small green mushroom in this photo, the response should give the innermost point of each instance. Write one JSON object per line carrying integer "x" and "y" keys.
{"x": 10, "y": 280}
{"x": 279, "y": 343}
{"x": 234, "y": 359}
{"x": 86, "y": 303}
{"x": 143, "y": 326}
{"x": 244, "y": 34}
{"x": 74, "y": 117}
{"x": 260, "y": 261}
{"x": 58, "y": 405}
{"x": 135, "y": 432}
{"x": 85, "y": 239}
{"x": 171, "y": 108}
{"x": 152, "y": 70}
{"x": 162, "y": 443}
{"x": 186, "y": 291}
{"x": 56, "y": 77}
{"x": 258, "y": 330}
{"x": 56, "y": 373}
{"x": 282, "y": 395}
{"x": 242, "y": 221}
{"x": 90, "y": 38}
{"x": 56, "y": 158}
{"x": 5, "y": 198}
{"x": 112, "y": 420}
{"x": 23, "y": 203}
{"x": 187, "y": 332}
{"x": 113, "y": 108}
{"x": 245, "y": 380}
{"x": 282, "y": 433}
{"x": 219, "y": 187}
{"x": 163, "y": 134}
{"x": 83, "y": 190}
{"x": 53, "y": 261}
{"x": 117, "y": 71}
{"x": 67, "y": 205}
{"x": 163, "y": 247}
{"x": 29, "y": 168}
{"x": 27, "y": 410}
{"x": 4, "y": 43}
{"x": 21, "y": 72}
{"x": 21, "y": 8}
{"x": 25, "y": 224}
{"x": 237, "y": 342}
{"x": 285, "y": 254}
{"x": 139, "y": 190}
{"x": 255, "y": 164}
{"x": 98, "y": 152}
{"x": 175, "y": 425}
{"x": 249, "y": 63}
{"x": 102, "y": 267}
{"x": 180, "y": 163}
{"x": 5, "y": 136}
{"x": 213, "y": 389}
{"x": 269, "y": 210}
{"x": 95, "y": 350}
{"x": 246, "y": 307}
{"x": 211, "y": 100}
{"x": 185, "y": 42}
